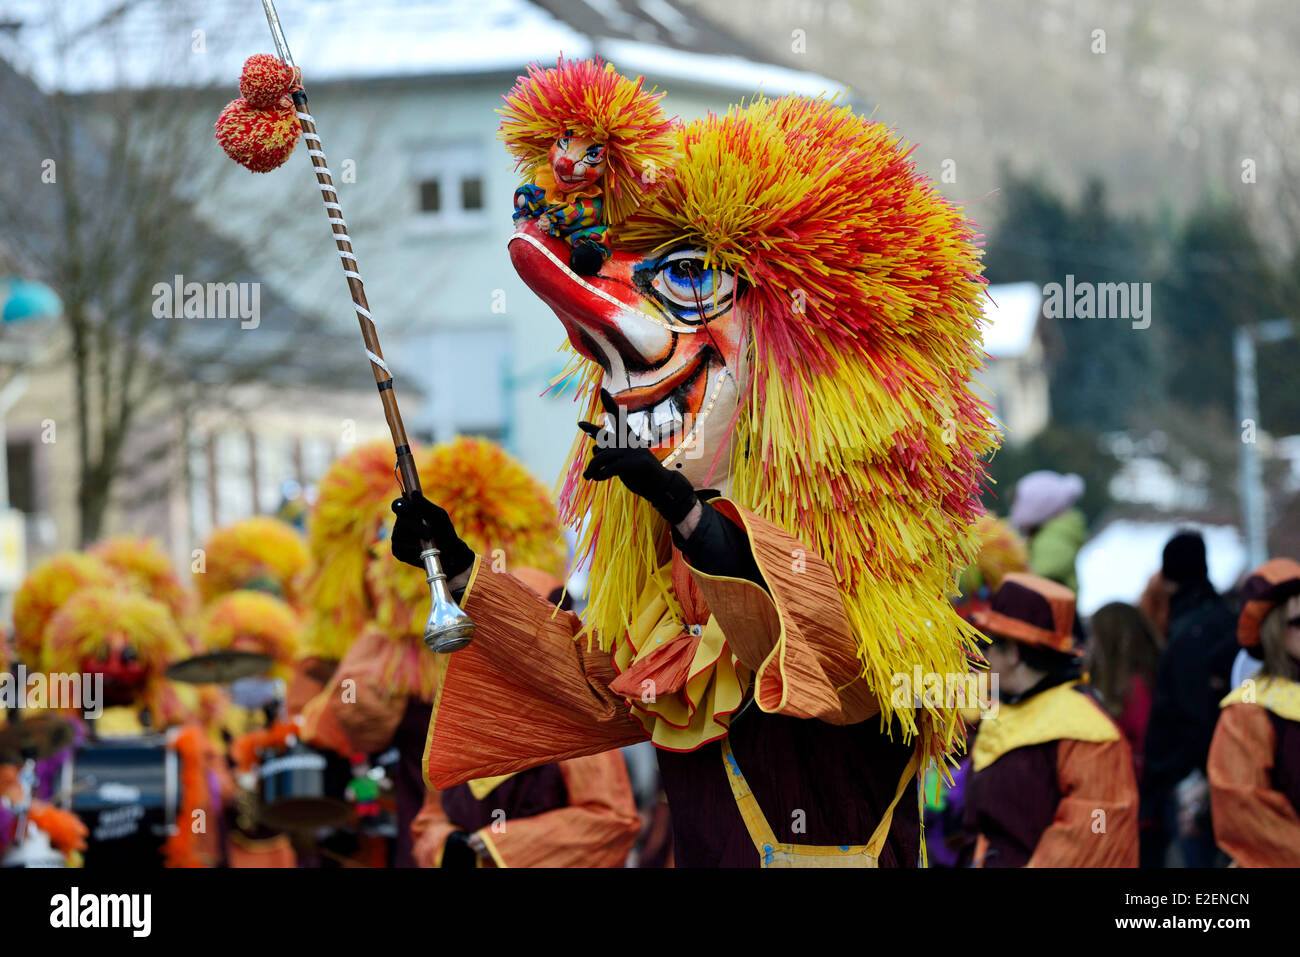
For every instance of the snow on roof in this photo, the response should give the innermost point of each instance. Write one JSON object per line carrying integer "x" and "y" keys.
{"x": 732, "y": 72}
{"x": 1010, "y": 318}
{"x": 1115, "y": 564}
{"x": 83, "y": 46}
{"x": 94, "y": 45}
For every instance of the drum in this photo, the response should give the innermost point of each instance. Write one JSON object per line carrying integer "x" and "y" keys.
{"x": 303, "y": 789}
{"x": 126, "y": 791}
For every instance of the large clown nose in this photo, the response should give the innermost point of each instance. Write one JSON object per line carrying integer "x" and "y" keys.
{"x": 602, "y": 314}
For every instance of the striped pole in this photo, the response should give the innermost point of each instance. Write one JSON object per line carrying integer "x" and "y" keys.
{"x": 448, "y": 628}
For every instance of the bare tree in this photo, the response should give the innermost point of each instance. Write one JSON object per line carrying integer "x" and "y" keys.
{"x": 100, "y": 189}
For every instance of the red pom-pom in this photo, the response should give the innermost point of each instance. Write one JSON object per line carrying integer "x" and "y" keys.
{"x": 260, "y": 140}
{"x": 265, "y": 80}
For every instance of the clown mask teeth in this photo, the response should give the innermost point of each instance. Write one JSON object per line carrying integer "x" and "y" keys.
{"x": 665, "y": 414}
{"x": 639, "y": 424}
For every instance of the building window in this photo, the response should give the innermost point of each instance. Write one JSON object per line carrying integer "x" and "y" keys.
{"x": 448, "y": 184}
{"x": 471, "y": 192}
{"x": 430, "y": 196}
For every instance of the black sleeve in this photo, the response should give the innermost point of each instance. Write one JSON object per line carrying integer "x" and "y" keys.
{"x": 718, "y": 546}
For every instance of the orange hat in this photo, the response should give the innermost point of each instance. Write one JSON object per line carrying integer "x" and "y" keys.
{"x": 1267, "y": 587}
{"x": 1031, "y": 610}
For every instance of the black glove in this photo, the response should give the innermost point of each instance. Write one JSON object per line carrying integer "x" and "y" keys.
{"x": 626, "y": 456}
{"x": 456, "y": 852}
{"x": 418, "y": 520}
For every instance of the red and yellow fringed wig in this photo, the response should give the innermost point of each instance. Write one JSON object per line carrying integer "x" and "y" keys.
{"x": 502, "y": 513}
{"x": 588, "y": 98}
{"x": 856, "y": 428}
{"x": 351, "y": 517}
{"x": 43, "y": 592}
{"x": 144, "y": 566}
{"x": 98, "y": 621}
{"x": 262, "y": 554}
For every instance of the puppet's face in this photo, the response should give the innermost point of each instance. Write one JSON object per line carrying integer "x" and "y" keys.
{"x": 125, "y": 675}
{"x": 577, "y": 162}
{"x": 665, "y": 331}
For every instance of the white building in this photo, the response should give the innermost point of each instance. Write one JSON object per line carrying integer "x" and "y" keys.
{"x": 404, "y": 97}
{"x": 1014, "y": 377}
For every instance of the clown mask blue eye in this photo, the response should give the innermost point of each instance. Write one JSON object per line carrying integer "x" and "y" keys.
{"x": 689, "y": 288}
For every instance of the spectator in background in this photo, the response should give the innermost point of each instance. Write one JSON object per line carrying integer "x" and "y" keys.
{"x": 1122, "y": 657}
{"x": 1154, "y": 603}
{"x": 1048, "y": 764}
{"x": 1193, "y": 676}
{"x": 1254, "y": 765}
{"x": 1043, "y": 509}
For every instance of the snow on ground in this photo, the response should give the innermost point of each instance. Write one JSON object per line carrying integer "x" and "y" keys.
{"x": 1116, "y": 563}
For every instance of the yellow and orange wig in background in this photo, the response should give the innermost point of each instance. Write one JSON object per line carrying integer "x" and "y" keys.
{"x": 145, "y": 566}
{"x": 498, "y": 509}
{"x": 589, "y": 98}
{"x": 352, "y": 513}
{"x": 97, "y": 620}
{"x": 43, "y": 592}
{"x": 858, "y": 431}
{"x": 355, "y": 584}
{"x": 1001, "y": 551}
{"x": 262, "y": 554}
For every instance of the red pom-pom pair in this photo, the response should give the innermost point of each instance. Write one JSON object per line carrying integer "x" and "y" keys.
{"x": 260, "y": 130}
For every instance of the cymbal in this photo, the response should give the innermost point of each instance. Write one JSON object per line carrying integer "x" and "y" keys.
{"x": 220, "y": 667}
{"x": 37, "y": 737}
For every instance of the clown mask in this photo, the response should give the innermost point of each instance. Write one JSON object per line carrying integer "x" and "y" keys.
{"x": 665, "y": 332}
{"x": 125, "y": 675}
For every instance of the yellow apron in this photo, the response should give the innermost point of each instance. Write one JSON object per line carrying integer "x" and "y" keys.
{"x": 774, "y": 854}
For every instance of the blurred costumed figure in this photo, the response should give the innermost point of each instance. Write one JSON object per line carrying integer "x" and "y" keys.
{"x": 128, "y": 640}
{"x": 509, "y": 515}
{"x": 780, "y": 349}
{"x": 1124, "y": 651}
{"x": 1048, "y": 764}
{"x": 584, "y": 136}
{"x": 255, "y": 554}
{"x": 1193, "y": 675}
{"x": 258, "y": 623}
{"x": 47, "y": 587}
{"x": 143, "y": 565}
{"x": 62, "y": 830}
{"x": 1044, "y": 510}
{"x": 1254, "y": 763}
{"x": 1001, "y": 552}
{"x": 43, "y": 592}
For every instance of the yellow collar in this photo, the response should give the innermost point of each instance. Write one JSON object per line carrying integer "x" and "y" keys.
{"x": 1052, "y": 715}
{"x": 1278, "y": 695}
{"x": 122, "y": 721}
{"x": 482, "y": 787}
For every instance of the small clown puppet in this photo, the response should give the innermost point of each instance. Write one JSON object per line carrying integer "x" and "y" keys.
{"x": 363, "y": 789}
{"x": 590, "y": 142}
